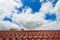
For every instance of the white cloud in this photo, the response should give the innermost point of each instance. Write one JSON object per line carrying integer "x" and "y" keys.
{"x": 54, "y": 25}
{"x": 46, "y": 7}
{"x": 5, "y": 25}
{"x": 7, "y": 6}
{"x": 32, "y": 21}
{"x": 57, "y": 10}
{"x": 50, "y": 26}
{"x": 26, "y": 19}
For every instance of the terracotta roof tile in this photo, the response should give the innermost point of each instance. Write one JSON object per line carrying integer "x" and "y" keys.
{"x": 30, "y": 35}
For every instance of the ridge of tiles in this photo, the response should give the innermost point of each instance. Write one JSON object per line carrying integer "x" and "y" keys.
{"x": 30, "y": 35}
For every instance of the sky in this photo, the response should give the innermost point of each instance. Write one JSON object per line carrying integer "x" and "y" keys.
{"x": 30, "y": 14}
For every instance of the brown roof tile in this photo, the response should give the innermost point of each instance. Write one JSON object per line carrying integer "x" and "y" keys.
{"x": 30, "y": 35}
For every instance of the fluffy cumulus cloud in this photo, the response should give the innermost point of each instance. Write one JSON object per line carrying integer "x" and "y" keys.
{"x": 7, "y": 9}
{"x": 54, "y": 25}
{"x": 7, "y": 25}
{"x": 23, "y": 17}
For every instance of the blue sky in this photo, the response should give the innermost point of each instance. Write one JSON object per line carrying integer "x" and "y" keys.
{"x": 30, "y": 14}
{"x": 35, "y": 5}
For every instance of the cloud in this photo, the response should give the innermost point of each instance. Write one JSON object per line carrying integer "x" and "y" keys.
{"x": 31, "y": 21}
{"x": 46, "y": 7}
{"x": 54, "y": 25}
{"x": 57, "y": 10}
{"x": 50, "y": 26}
{"x": 5, "y": 25}
{"x": 7, "y": 8}
{"x": 26, "y": 19}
